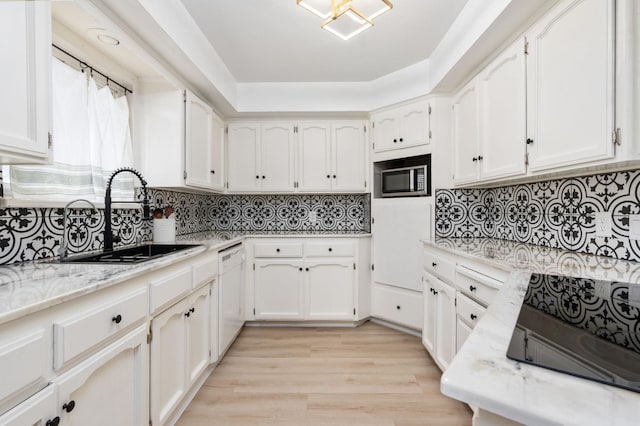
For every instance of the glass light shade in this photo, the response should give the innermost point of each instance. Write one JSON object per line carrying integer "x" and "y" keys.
{"x": 321, "y": 8}
{"x": 371, "y": 9}
{"x": 347, "y": 24}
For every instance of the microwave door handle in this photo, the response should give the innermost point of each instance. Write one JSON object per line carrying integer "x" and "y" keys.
{"x": 411, "y": 178}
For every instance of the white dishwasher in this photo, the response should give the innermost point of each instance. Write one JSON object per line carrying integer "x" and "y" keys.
{"x": 231, "y": 296}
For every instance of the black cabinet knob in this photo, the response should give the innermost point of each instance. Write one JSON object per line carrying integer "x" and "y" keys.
{"x": 435, "y": 291}
{"x": 479, "y": 157}
{"x": 53, "y": 422}
{"x": 472, "y": 288}
{"x": 474, "y": 159}
{"x": 473, "y": 316}
{"x": 328, "y": 176}
{"x": 434, "y": 264}
{"x": 401, "y": 139}
{"x": 117, "y": 319}
{"x": 192, "y": 310}
{"x": 278, "y": 250}
{"x": 306, "y": 269}
{"x": 262, "y": 177}
{"x": 330, "y": 249}
{"x": 398, "y": 307}
{"x": 529, "y": 141}
{"x": 334, "y": 176}
{"x": 395, "y": 141}
{"x": 257, "y": 177}
{"x": 301, "y": 268}
{"x": 213, "y": 172}
{"x": 187, "y": 314}
{"x": 69, "y": 406}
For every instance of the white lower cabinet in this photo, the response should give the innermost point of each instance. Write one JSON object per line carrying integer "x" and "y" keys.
{"x": 278, "y": 290}
{"x": 109, "y": 388}
{"x": 439, "y": 320}
{"x": 39, "y": 410}
{"x": 398, "y": 305}
{"x": 298, "y": 280}
{"x": 330, "y": 289}
{"x": 179, "y": 352}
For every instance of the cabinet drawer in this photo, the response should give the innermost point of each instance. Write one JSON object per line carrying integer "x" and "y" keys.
{"x": 76, "y": 335}
{"x": 167, "y": 289}
{"x": 477, "y": 286}
{"x": 404, "y": 307}
{"x": 278, "y": 249}
{"x": 205, "y": 270}
{"x": 24, "y": 367}
{"x": 329, "y": 248}
{"x": 469, "y": 311}
{"x": 439, "y": 266}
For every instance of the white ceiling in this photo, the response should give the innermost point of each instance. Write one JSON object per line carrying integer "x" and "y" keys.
{"x": 279, "y": 41}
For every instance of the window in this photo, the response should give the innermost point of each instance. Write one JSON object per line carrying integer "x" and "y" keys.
{"x": 91, "y": 139}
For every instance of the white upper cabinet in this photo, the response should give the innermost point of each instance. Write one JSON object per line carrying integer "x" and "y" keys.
{"x": 261, "y": 157}
{"x": 465, "y": 134}
{"x": 503, "y": 115}
{"x": 489, "y": 121}
{"x": 204, "y": 148}
{"x": 314, "y": 157}
{"x": 25, "y": 104}
{"x": 570, "y": 76}
{"x": 348, "y": 171}
{"x": 179, "y": 137}
{"x": 277, "y": 157}
{"x": 242, "y": 156}
{"x": 402, "y": 127}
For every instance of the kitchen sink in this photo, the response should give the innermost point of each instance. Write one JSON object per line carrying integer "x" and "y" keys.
{"x": 135, "y": 254}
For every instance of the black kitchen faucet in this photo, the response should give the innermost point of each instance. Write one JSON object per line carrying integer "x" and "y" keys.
{"x": 109, "y": 238}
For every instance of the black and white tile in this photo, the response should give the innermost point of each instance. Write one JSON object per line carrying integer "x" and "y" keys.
{"x": 556, "y": 213}
{"x": 36, "y": 233}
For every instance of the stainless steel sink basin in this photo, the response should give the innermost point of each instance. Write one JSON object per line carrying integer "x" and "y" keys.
{"x": 130, "y": 254}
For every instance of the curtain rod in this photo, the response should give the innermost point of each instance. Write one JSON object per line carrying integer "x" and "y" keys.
{"x": 84, "y": 65}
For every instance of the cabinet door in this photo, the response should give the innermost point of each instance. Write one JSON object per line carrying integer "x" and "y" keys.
{"x": 385, "y": 131}
{"x": 278, "y": 291}
{"x": 445, "y": 346}
{"x": 39, "y": 410}
{"x": 197, "y": 334}
{"x": 503, "y": 122}
{"x": 314, "y": 157}
{"x": 414, "y": 124}
{"x": 109, "y": 388}
{"x": 430, "y": 311}
{"x": 463, "y": 330}
{"x": 570, "y": 75}
{"x": 330, "y": 285}
{"x": 277, "y": 157}
{"x": 168, "y": 361}
{"x": 242, "y": 154}
{"x": 465, "y": 134}
{"x": 216, "y": 154}
{"x": 26, "y": 75}
{"x": 198, "y": 137}
{"x": 348, "y": 171}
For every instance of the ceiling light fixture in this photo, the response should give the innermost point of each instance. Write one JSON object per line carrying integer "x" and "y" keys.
{"x": 346, "y": 18}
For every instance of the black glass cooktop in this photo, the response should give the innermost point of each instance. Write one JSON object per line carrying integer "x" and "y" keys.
{"x": 587, "y": 328}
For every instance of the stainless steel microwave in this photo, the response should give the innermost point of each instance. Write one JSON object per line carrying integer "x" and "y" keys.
{"x": 405, "y": 182}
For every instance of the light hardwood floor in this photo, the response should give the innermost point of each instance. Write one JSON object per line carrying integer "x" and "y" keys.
{"x": 370, "y": 375}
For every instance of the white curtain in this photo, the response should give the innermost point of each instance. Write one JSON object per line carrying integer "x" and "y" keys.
{"x": 91, "y": 139}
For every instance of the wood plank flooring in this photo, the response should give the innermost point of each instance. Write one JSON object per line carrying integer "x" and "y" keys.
{"x": 370, "y": 375}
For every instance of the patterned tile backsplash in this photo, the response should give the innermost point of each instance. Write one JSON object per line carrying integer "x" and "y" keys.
{"x": 557, "y": 213}
{"x": 35, "y": 233}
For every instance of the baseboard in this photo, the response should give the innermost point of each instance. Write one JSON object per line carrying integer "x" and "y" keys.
{"x": 397, "y": 327}
{"x": 292, "y": 324}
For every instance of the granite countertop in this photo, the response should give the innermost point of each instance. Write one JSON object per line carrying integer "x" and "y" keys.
{"x": 481, "y": 374}
{"x": 29, "y": 287}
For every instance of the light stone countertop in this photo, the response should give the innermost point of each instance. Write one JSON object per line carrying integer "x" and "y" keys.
{"x": 29, "y": 287}
{"x": 481, "y": 374}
